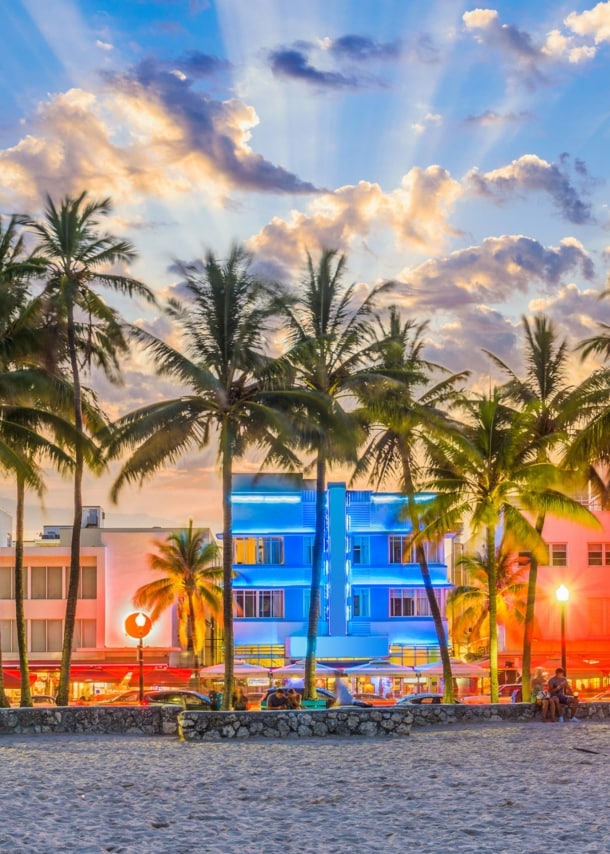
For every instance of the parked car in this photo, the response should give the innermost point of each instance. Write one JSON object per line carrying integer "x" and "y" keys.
{"x": 506, "y": 694}
{"x": 423, "y": 699}
{"x": 375, "y": 699}
{"x": 602, "y": 697}
{"x": 191, "y": 700}
{"x": 322, "y": 694}
{"x": 43, "y": 700}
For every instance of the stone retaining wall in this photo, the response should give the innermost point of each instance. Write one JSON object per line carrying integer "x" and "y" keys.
{"x": 202, "y": 726}
{"x": 92, "y": 720}
{"x": 172, "y": 720}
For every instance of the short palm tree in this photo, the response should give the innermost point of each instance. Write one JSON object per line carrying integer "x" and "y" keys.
{"x": 77, "y": 257}
{"x": 231, "y": 390}
{"x": 468, "y": 603}
{"x": 327, "y": 325}
{"x": 192, "y": 582}
{"x": 402, "y": 413}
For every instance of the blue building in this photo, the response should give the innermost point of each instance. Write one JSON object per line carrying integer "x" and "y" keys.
{"x": 373, "y": 601}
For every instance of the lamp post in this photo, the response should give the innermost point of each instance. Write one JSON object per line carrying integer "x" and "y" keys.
{"x": 563, "y": 594}
{"x": 138, "y": 625}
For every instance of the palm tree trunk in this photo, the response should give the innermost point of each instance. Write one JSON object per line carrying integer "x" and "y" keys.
{"x": 26, "y": 691}
{"x": 448, "y": 694}
{"x": 316, "y": 578}
{"x": 528, "y": 628}
{"x": 74, "y": 575}
{"x": 493, "y": 610}
{"x": 227, "y": 566}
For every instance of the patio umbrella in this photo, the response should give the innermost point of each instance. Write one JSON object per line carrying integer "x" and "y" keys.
{"x": 458, "y": 669}
{"x": 298, "y": 669}
{"x": 240, "y": 668}
{"x": 380, "y": 667}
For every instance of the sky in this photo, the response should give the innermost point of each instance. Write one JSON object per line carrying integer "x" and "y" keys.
{"x": 459, "y": 151}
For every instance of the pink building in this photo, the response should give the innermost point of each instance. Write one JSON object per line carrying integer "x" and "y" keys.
{"x": 579, "y": 559}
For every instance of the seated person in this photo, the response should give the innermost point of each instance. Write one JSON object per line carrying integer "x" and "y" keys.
{"x": 294, "y": 699}
{"x": 560, "y": 691}
{"x": 277, "y": 700}
{"x": 541, "y": 696}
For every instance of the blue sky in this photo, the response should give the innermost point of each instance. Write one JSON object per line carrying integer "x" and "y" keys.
{"x": 459, "y": 150}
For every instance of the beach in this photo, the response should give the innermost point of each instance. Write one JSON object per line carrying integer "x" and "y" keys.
{"x": 492, "y": 788}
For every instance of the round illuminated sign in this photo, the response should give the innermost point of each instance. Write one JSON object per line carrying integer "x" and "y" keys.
{"x": 138, "y": 625}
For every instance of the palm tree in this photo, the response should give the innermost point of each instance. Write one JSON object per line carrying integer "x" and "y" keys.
{"x": 76, "y": 257}
{"x": 192, "y": 582}
{"x": 468, "y": 604}
{"x": 554, "y": 408}
{"x": 233, "y": 391}
{"x": 400, "y": 412}
{"x": 489, "y": 475}
{"x": 327, "y": 328}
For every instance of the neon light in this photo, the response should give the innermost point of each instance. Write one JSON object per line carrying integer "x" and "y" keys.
{"x": 389, "y": 498}
{"x": 265, "y": 499}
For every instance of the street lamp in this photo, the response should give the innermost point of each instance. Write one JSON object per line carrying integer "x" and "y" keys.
{"x": 138, "y": 625}
{"x": 563, "y": 594}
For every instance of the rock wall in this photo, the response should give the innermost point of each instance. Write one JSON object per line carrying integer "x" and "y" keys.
{"x": 173, "y": 721}
{"x": 93, "y": 720}
{"x": 200, "y": 726}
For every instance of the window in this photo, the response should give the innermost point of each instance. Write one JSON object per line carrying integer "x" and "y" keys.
{"x": 7, "y": 582}
{"x": 599, "y": 554}
{"x": 558, "y": 554}
{"x": 46, "y": 636}
{"x": 308, "y": 550}
{"x": 261, "y": 550}
{"x": 259, "y": 604}
{"x": 361, "y": 603}
{"x": 46, "y": 582}
{"x": 360, "y": 550}
{"x": 411, "y": 602}
{"x": 8, "y": 635}
{"x": 88, "y": 584}
{"x": 84, "y": 634}
{"x": 400, "y": 551}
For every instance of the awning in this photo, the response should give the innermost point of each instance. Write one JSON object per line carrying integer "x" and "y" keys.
{"x": 240, "y": 668}
{"x": 298, "y": 669}
{"x": 12, "y": 678}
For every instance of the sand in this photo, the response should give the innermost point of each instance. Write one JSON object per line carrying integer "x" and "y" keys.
{"x": 507, "y": 787}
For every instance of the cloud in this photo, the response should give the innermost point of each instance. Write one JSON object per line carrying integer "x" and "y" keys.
{"x": 302, "y": 60}
{"x": 104, "y": 45}
{"x": 493, "y": 272}
{"x": 293, "y": 63}
{"x": 526, "y": 58}
{"x": 147, "y": 131}
{"x": 429, "y": 120}
{"x": 364, "y": 49}
{"x": 490, "y": 118}
{"x": 416, "y": 213}
{"x": 532, "y": 174}
{"x": 592, "y": 22}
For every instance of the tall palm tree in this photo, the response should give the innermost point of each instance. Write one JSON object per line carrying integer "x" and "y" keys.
{"x": 77, "y": 257}
{"x": 192, "y": 582}
{"x": 468, "y": 603}
{"x": 488, "y": 475}
{"x": 327, "y": 326}
{"x": 232, "y": 391}
{"x": 554, "y": 407}
{"x": 400, "y": 412}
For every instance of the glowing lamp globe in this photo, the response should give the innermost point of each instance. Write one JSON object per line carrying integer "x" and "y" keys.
{"x": 138, "y": 625}
{"x": 563, "y": 594}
